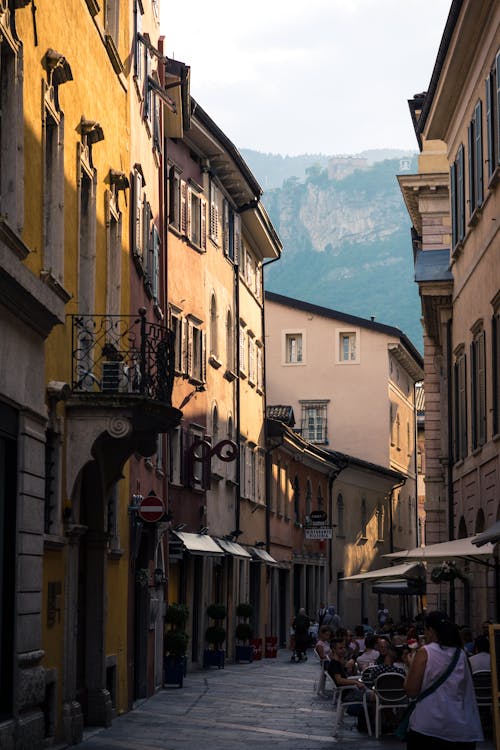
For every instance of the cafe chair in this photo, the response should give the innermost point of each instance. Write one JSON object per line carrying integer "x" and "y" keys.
{"x": 389, "y": 695}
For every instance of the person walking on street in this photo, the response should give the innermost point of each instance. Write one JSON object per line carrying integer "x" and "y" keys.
{"x": 301, "y": 626}
{"x": 332, "y": 619}
{"x": 446, "y": 715}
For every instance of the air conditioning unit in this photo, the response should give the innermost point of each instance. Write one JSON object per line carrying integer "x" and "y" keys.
{"x": 114, "y": 378}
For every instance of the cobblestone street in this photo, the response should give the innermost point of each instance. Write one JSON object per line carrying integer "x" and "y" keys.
{"x": 269, "y": 704}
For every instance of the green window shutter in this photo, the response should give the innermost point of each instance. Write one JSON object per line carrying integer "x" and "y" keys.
{"x": 478, "y": 152}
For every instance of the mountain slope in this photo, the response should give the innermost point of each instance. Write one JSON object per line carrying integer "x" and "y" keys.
{"x": 346, "y": 242}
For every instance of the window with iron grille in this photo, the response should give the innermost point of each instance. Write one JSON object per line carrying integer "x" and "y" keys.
{"x": 314, "y": 421}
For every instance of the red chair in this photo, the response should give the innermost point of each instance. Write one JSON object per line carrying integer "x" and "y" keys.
{"x": 257, "y": 648}
{"x": 271, "y": 645}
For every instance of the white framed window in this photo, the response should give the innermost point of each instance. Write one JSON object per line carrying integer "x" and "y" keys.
{"x": 195, "y": 351}
{"x": 175, "y": 438}
{"x": 293, "y": 342}
{"x": 348, "y": 346}
{"x": 251, "y": 359}
{"x": 243, "y": 350}
{"x": 314, "y": 420}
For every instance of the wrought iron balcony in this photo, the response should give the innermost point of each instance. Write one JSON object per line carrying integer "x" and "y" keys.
{"x": 123, "y": 355}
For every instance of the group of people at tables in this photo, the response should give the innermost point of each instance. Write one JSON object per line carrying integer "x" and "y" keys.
{"x": 449, "y": 718}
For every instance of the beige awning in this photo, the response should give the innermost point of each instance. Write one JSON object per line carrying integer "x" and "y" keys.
{"x": 262, "y": 556}
{"x": 236, "y": 550}
{"x": 459, "y": 548}
{"x": 489, "y": 535}
{"x": 408, "y": 570}
{"x": 199, "y": 544}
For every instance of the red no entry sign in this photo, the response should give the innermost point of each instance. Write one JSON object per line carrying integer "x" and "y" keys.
{"x": 151, "y": 509}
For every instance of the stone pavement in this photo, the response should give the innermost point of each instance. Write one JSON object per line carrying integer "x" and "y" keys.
{"x": 269, "y": 704}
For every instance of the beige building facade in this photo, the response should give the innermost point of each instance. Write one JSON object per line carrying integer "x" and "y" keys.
{"x": 454, "y": 203}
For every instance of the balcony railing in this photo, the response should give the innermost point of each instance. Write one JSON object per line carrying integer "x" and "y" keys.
{"x": 122, "y": 355}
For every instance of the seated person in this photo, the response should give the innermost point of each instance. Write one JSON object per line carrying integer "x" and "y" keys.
{"x": 480, "y": 659}
{"x": 382, "y": 648}
{"x": 337, "y": 671}
{"x": 322, "y": 647}
{"x": 388, "y": 665}
{"x": 402, "y": 658}
{"x": 370, "y": 654}
{"x": 359, "y": 637}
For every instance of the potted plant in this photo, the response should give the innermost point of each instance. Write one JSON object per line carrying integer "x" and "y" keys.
{"x": 215, "y": 635}
{"x": 175, "y": 644}
{"x": 244, "y": 633}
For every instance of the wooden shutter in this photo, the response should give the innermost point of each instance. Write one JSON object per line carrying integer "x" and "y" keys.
{"x": 138, "y": 233}
{"x": 155, "y": 271}
{"x": 460, "y": 194}
{"x": 472, "y": 171}
{"x": 189, "y": 348}
{"x": 183, "y": 212}
{"x": 474, "y": 395}
{"x": 478, "y": 152}
{"x": 497, "y": 110}
{"x": 463, "y": 405}
{"x": 237, "y": 238}
{"x": 203, "y": 225}
{"x": 203, "y": 359}
{"x": 189, "y": 213}
{"x": 490, "y": 130}
{"x": 453, "y": 203}
{"x": 481, "y": 388}
{"x": 183, "y": 329}
{"x": 242, "y": 350}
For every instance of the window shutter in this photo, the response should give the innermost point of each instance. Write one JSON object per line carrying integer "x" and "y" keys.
{"x": 463, "y": 406}
{"x": 189, "y": 358}
{"x": 203, "y": 359}
{"x": 478, "y": 152}
{"x": 453, "y": 201}
{"x": 461, "y": 193}
{"x": 225, "y": 227}
{"x": 189, "y": 213}
{"x": 237, "y": 238}
{"x": 138, "y": 213}
{"x": 497, "y": 110}
{"x": 156, "y": 264}
{"x": 146, "y": 241}
{"x": 490, "y": 132}
{"x": 495, "y": 352}
{"x": 183, "y": 328}
{"x": 183, "y": 213}
{"x": 481, "y": 384}
{"x": 474, "y": 394}
{"x": 472, "y": 171}
{"x": 204, "y": 224}
{"x": 242, "y": 350}
{"x": 156, "y": 125}
{"x": 456, "y": 414}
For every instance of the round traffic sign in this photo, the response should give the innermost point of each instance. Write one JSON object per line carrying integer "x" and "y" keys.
{"x": 151, "y": 508}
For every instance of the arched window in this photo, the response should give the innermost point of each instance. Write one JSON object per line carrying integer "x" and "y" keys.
{"x": 319, "y": 498}
{"x": 214, "y": 349}
{"x": 380, "y": 522}
{"x": 340, "y": 515}
{"x": 479, "y": 522}
{"x": 363, "y": 517}
{"x": 296, "y": 499}
{"x": 462, "y": 529}
{"x": 308, "y": 498}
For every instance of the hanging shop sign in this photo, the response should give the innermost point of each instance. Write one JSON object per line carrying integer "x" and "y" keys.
{"x": 319, "y": 532}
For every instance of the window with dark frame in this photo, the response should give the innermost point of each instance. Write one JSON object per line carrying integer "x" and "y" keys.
{"x": 478, "y": 390}
{"x": 460, "y": 406}
{"x": 495, "y": 358}
{"x": 457, "y": 198}
{"x": 475, "y": 160}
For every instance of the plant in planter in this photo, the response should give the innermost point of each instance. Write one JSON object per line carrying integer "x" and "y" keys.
{"x": 175, "y": 644}
{"x": 215, "y": 635}
{"x": 244, "y": 633}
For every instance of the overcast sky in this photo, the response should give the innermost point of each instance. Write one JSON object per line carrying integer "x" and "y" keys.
{"x": 314, "y": 76}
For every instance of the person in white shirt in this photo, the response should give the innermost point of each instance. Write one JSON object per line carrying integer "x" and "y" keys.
{"x": 370, "y": 654}
{"x": 480, "y": 660}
